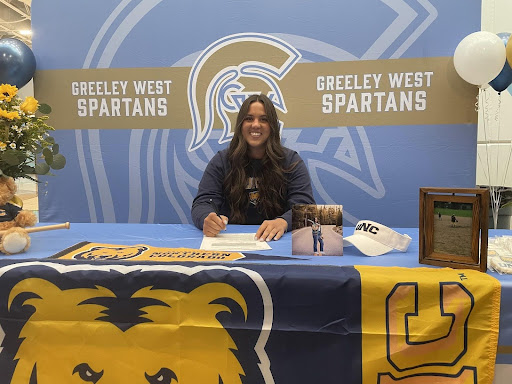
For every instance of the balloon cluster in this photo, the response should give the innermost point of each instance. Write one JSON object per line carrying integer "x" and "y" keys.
{"x": 17, "y": 62}
{"x": 483, "y": 58}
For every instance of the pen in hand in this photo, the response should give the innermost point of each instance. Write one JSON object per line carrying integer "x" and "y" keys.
{"x": 216, "y": 210}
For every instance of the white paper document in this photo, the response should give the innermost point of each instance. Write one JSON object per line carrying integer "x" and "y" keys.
{"x": 235, "y": 242}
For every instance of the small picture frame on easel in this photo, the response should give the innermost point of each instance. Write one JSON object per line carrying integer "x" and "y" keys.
{"x": 453, "y": 228}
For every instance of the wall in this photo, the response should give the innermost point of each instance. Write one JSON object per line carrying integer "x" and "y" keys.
{"x": 371, "y": 153}
{"x": 494, "y": 155}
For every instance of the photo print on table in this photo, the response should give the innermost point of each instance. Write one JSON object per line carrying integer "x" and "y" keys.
{"x": 317, "y": 230}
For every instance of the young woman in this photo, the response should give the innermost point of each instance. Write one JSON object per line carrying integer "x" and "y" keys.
{"x": 316, "y": 231}
{"x": 255, "y": 180}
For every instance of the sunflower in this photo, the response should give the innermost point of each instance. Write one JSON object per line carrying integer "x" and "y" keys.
{"x": 7, "y": 92}
{"x": 26, "y": 147}
{"x": 9, "y": 115}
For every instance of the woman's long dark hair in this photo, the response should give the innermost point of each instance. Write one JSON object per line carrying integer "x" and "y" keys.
{"x": 272, "y": 181}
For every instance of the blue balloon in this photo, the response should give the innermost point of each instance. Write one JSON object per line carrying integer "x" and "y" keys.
{"x": 17, "y": 62}
{"x": 504, "y": 78}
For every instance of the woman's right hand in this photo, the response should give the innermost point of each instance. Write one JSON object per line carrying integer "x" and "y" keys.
{"x": 213, "y": 224}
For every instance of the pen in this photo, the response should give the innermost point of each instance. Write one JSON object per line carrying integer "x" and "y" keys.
{"x": 216, "y": 210}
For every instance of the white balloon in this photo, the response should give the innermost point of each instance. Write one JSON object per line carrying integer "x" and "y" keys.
{"x": 480, "y": 57}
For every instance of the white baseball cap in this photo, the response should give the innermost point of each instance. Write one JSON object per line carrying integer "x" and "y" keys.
{"x": 374, "y": 239}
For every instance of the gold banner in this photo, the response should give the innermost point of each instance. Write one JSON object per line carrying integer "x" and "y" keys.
{"x": 427, "y": 325}
{"x": 141, "y": 252}
{"x": 371, "y": 93}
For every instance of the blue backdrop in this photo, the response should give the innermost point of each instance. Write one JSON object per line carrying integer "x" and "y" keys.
{"x": 150, "y": 175}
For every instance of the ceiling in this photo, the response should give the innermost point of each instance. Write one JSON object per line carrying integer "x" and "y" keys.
{"x": 15, "y": 17}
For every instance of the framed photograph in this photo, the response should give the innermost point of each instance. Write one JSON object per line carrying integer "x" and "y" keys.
{"x": 453, "y": 230}
{"x": 317, "y": 230}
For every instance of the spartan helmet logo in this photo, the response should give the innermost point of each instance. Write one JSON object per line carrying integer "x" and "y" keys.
{"x": 224, "y": 74}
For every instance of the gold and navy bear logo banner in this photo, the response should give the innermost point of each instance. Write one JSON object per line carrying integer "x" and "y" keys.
{"x": 66, "y": 321}
{"x": 117, "y": 324}
{"x": 140, "y": 252}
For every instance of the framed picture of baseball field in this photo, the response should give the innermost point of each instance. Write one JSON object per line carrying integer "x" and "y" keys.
{"x": 453, "y": 227}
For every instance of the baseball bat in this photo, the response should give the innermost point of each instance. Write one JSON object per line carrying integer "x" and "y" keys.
{"x": 45, "y": 228}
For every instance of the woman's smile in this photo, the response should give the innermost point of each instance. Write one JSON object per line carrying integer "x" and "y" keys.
{"x": 256, "y": 130}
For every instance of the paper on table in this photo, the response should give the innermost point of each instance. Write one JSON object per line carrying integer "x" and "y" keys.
{"x": 233, "y": 242}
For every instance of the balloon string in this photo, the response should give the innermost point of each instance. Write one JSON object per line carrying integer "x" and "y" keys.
{"x": 492, "y": 117}
{"x": 497, "y": 121}
{"x": 485, "y": 112}
{"x": 508, "y": 161}
{"x": 478, "y": 108}
{"x": 495, "y": 203}
{"x": 483, "y": 167}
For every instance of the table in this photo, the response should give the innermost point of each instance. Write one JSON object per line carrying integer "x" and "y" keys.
{"x": 278, "y": 265}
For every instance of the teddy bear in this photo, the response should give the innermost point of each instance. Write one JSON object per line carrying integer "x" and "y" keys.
{"x": 13, "y": 219}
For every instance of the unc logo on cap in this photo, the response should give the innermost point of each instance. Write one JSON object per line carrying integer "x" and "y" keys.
{"x": 374, "y": 239}
{"x": 367, "y": 227}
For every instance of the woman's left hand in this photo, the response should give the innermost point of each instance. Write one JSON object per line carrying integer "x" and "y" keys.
{"x": 271, "y": 229}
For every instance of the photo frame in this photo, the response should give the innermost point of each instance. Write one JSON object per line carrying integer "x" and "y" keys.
{"x": 453, "y": 227}
{"x": 317, "y": 230}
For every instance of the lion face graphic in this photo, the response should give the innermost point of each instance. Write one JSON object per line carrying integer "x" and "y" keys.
{"x": 111, "y": 253}
{"x": 71, "y": 338}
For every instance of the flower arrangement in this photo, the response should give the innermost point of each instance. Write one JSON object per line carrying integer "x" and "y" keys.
{"x": 26, "y": 147}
